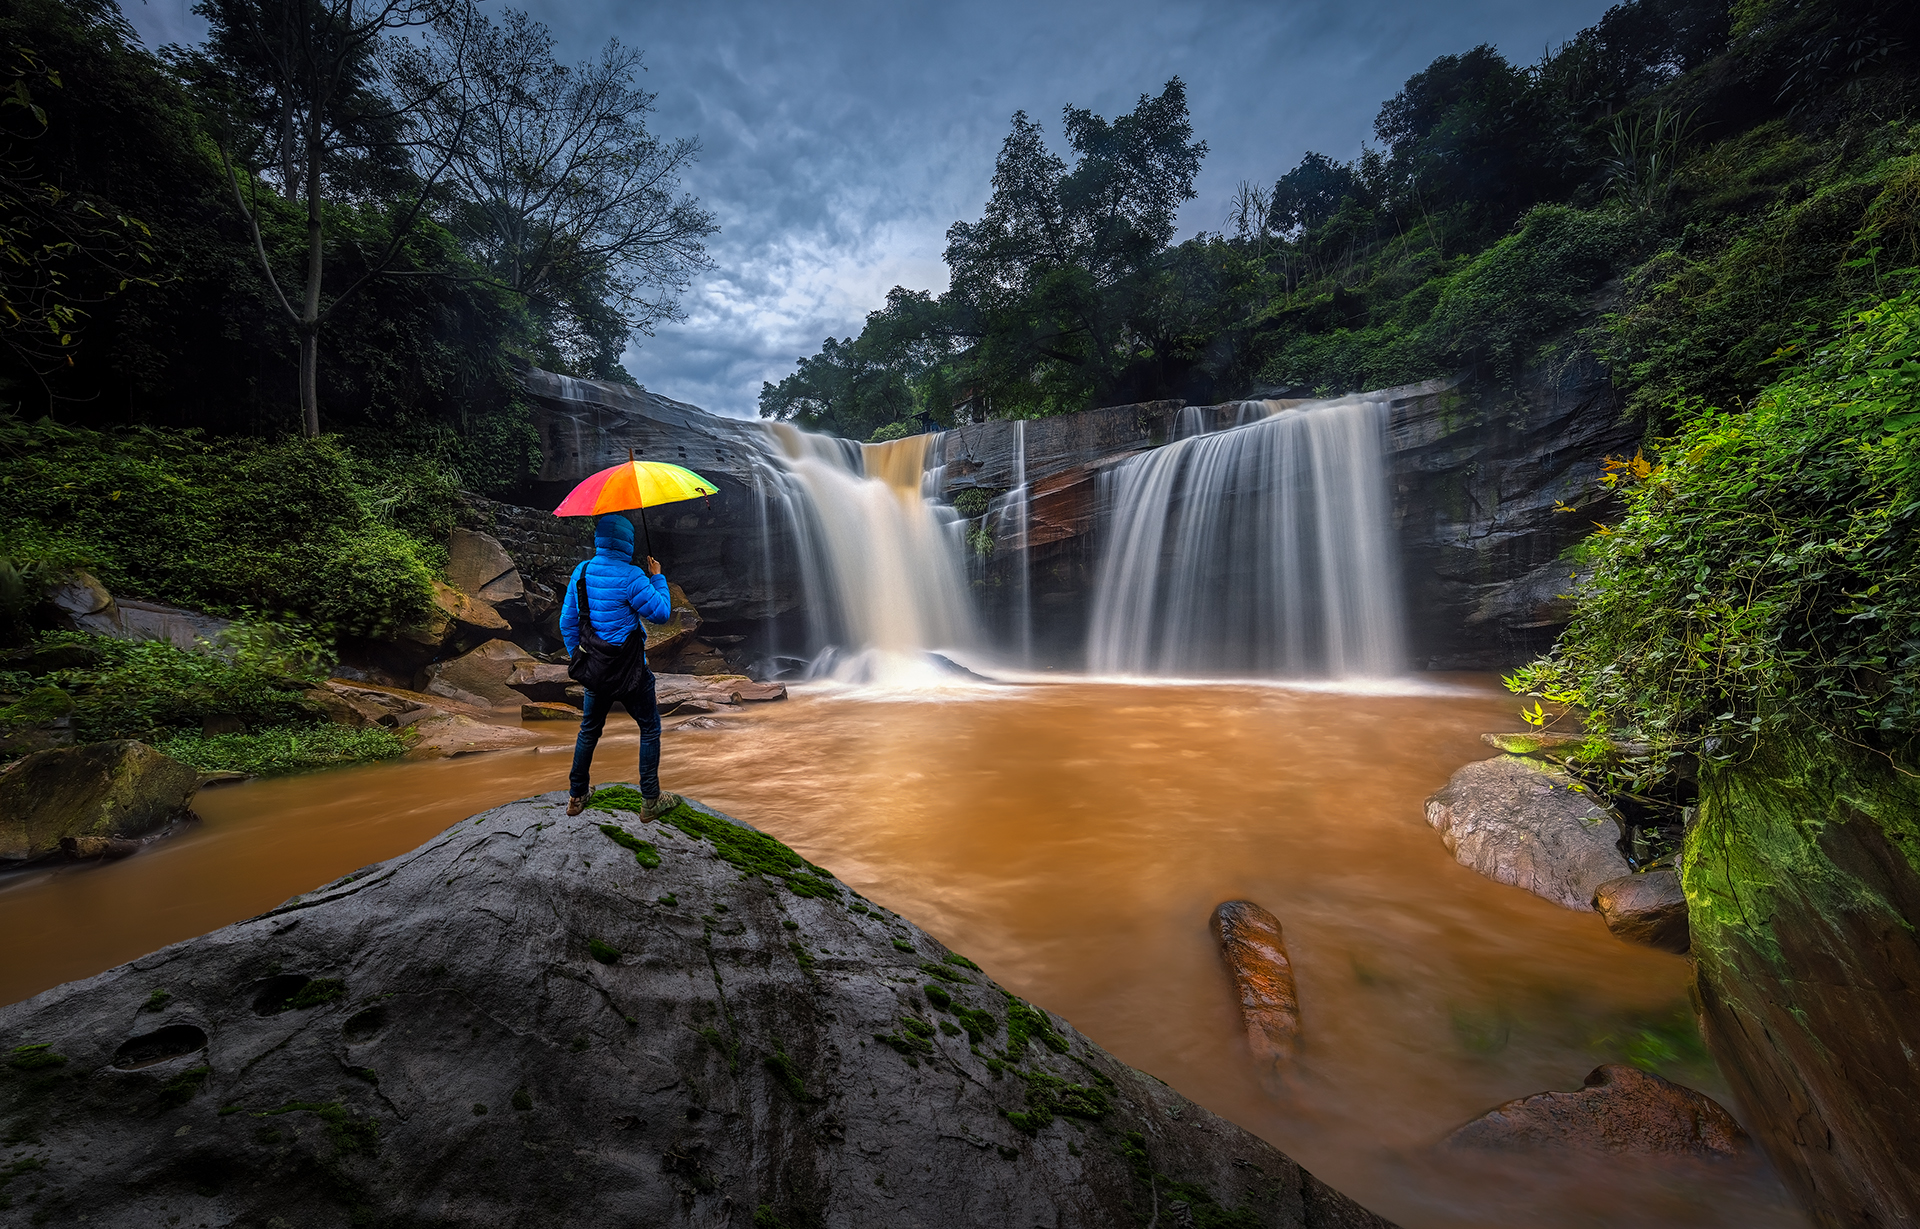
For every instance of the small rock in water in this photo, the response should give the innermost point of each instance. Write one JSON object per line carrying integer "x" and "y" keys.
{"x": 1256, "y": 955}
{"x": 1649, "y": 908}
{"x": 1621, "y": 1109}
{"x": 1524, "y": 824}
{"x": 549, "y": 712}
{"x": 108, "y": 847}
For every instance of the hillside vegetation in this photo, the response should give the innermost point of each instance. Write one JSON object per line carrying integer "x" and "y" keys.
{"x": 1680, "y": 190}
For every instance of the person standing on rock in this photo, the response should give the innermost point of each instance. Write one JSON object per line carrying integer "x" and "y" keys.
{"x": 619, "y": 596}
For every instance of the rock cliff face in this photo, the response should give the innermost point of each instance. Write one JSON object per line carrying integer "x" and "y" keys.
{"x": 1802, "y": 875}
{"x": 719, "y": 547}
{"x": 1477, "y": 471}
{"x": 541, "y": 1020}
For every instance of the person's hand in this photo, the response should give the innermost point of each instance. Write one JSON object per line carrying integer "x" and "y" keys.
{"x": 653, "y": 566}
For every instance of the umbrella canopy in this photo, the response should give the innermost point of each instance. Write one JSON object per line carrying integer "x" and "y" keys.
{"x": 634, "y": 484}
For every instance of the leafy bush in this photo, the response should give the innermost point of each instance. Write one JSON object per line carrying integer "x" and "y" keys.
{"x": 1766, "y": 576}
{"x": 1529, "y": 285}
{"x": 293, "y": 526}
{"x": 890, "y": 431}
{"x": 151, "y": 690}
{"x": 285, "y": 749}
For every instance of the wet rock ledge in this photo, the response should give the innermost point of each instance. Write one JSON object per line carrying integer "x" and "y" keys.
{"x": 541, "y": 1020}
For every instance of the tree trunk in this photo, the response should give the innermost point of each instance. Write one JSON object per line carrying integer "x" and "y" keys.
{"x": 309, "y": 380}
{"x": 310, "y": 304}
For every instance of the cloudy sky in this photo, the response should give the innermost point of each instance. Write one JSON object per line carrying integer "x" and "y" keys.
{"x": 842, "y": 139}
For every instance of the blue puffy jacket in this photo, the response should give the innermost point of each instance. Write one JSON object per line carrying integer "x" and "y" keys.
{"x": 619, "y": 594}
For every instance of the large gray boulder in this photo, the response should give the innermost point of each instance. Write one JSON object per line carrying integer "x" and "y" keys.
{"x": 1521, "y": 823}
{"x": 540, "y": 1020}
{"x": 112, "y": 789}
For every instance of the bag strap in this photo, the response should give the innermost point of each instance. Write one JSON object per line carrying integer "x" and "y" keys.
{"x": 586, "y": 613}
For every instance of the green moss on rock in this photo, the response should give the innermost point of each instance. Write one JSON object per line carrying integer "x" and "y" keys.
{"x": 756, "y": 853}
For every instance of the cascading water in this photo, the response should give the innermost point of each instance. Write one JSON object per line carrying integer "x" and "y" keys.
{"x": 884, "y": 584}
{"x": 1262, "y": 549}
{"x": 1013, "y": 527}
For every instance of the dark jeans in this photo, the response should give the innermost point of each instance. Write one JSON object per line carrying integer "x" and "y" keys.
{"x": 643, "y": 708}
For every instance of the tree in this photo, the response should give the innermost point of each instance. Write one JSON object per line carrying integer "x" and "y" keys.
{"x": 59, "y": 250}
{"x": 568, "y": 199}
{"x": 1310, "y": 193}
{"x": 1044, "y": 280}
{"x": 900, "y": 366}
{"x": 298, "y": 97}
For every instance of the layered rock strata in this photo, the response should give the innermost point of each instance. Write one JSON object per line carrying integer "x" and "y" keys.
{"x": 1479, "y": 470}
{"x": 1255, "y": 952}
{"x": 596, "y": 1021}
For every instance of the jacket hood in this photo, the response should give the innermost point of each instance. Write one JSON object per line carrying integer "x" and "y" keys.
{"x": 613, "y": 535}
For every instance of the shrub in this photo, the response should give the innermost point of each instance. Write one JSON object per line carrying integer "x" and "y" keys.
{"x": 151, "y": 690}
{"x": 1767, "y": 573}
{"x": 285, "y": 749}
{"x": 287, "y": 526}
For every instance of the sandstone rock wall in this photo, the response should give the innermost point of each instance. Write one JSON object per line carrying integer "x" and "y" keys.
{"x": 735, "y": 568}
{"x": 1477, "y": 472}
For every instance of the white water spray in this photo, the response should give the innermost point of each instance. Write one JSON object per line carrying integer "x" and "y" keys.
{"x": 881, "y": 568}
{"x": 1263, "y": 549}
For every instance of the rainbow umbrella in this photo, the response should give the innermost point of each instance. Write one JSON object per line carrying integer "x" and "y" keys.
{"x": 634, "y": 485}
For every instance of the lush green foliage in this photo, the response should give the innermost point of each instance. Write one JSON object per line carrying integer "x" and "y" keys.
{"x": 1766, "y": 576}
{"x": 1658, "y": 191}
{"x": 417, "y": 365}
{"x": 284, "y": 749}
{"x": 151, "y": 690}
{"x": 296, "y": 527}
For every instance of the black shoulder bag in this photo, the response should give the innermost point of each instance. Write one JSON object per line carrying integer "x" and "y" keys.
{"x": 603, "y": 667}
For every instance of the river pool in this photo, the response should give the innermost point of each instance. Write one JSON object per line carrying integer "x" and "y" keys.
{"x": 1072, "y": 837}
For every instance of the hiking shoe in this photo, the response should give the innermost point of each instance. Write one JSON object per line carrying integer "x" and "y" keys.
{"x": 576, "y": 805}
{"x": 656, "y": 807}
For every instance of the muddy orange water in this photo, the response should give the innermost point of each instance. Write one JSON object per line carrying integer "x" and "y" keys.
{"x": 1073, "y": 838}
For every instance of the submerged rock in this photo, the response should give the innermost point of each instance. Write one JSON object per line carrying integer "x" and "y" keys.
{"x": 1620, "y": 1109}
{"x": 599, "y": 1022}
{"x": 1649, "y": 908}
{"x": 531, "y": 711}
{"x": 1256, "y": 956}
{"x": 1524, "y": 824}
{"x": 111, "y": 789}
{"x": 107, "y": 848}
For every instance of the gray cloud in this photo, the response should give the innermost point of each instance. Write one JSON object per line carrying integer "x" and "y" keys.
{"x": 842, "y": 139}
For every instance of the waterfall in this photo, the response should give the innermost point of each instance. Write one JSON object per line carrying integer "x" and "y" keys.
{"x": 1013, "y": 526}
{"x": 1262, "y": 549}
{"x": 882, "y": 574}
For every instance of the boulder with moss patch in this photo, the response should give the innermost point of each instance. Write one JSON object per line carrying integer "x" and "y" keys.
{"x": 613, "y": 1022}
{"x": 112, "y": 789}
